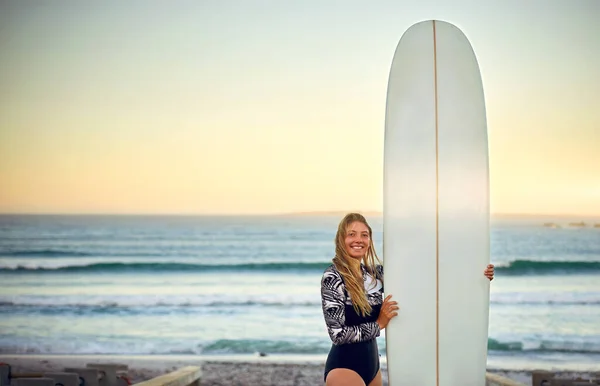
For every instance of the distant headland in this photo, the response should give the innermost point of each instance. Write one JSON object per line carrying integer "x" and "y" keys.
{"x": 578, "y": 224}
{"x": 334, "y": 213}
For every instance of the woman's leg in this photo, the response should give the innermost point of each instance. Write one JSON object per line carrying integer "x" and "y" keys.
{"x": 344, "y": 377}
{"x": 377, "y": 381}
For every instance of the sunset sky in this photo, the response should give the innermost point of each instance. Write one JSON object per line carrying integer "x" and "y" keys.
{"x": 276, "y": 106}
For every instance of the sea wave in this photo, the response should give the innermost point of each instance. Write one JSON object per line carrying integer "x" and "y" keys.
{"x": 516, "y": 267}
{"x": 546, "y": 346}
{"x": 145, "y": 307}
{"x": 44, "y": 253}
{"x": 170, "y": 267}
{"x": 537, "y": 267}
{"x": 61, "y": 253}
{"x": 253, "y": 346}
{"x": 243, "y": 346}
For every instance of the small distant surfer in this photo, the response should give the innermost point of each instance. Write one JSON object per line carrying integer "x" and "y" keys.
{"x": 353, "y": 306}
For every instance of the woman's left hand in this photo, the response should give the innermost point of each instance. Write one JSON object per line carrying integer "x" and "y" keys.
{"x": 489, "y": 272}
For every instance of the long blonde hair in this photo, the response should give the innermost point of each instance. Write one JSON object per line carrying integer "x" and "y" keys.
{"x": 354, "y": 285}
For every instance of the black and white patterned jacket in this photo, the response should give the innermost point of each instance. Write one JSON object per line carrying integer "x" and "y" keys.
{"x": 344, "y": 325}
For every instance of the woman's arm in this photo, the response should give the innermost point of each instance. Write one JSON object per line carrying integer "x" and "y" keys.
{"x": 334, "y": 312}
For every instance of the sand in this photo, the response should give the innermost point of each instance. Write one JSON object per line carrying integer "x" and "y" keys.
{"x": 223, "y": 372}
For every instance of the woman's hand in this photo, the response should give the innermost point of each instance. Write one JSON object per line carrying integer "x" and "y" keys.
{"x": 489, "y": 272}
{"x": 388, "y": 311}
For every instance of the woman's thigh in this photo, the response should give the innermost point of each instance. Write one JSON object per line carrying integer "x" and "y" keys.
{"x": 344, "y": 377}
{"x": 377, "y": 381}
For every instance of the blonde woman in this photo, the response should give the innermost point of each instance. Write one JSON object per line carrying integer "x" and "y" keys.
{"x": 353, "y": 306}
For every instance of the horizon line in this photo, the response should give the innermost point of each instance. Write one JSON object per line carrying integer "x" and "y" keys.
{"x": 376, "y": 213}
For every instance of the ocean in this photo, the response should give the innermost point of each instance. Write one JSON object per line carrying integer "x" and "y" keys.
{"x": 240, "y": 285}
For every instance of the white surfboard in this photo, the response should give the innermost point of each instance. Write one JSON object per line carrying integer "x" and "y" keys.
{"x": 436, "y": 210}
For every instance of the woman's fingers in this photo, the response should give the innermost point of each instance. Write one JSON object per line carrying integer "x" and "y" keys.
{"x": 389, "y": 307}
{"x": 390, "y": 311}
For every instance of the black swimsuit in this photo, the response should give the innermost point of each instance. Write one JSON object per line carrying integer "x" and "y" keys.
{"x": 354, "y": 336}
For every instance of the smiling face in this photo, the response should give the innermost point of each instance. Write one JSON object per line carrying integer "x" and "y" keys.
{"x": 357, "y": 240}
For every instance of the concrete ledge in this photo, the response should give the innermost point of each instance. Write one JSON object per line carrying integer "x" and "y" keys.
{"x": 33, "y": 382}
{"x": 185, "y": 376}
{"x": 63, "y": 378}
{"x": 87, "y": 376}
{"x": 108, "y": 373}
{"x": 498, "y": 380}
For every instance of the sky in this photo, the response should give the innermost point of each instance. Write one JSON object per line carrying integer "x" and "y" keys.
{"x": 243, "y": 107}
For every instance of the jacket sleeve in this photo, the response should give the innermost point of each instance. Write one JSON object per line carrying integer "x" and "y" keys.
{"x": 380, "y": 271}
{"x": 334, "y": 312}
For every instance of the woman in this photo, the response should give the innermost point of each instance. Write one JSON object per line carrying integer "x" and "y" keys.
{"x": 353, "y": 306}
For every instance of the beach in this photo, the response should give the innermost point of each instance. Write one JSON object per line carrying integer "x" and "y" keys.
{"x": 230, "y": 373}
{"x": 161, "y": 292}
{"x": 227, "y": 372}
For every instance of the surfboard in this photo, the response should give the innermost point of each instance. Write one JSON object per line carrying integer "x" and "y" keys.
{"x": 436, "y": 210}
